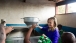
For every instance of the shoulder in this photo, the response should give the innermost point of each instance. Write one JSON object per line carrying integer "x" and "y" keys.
{"x": 56, "y": 29}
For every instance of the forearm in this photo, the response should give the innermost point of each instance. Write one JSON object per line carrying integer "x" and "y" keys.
{"x": 29, "y": 33}
{"x": 27, "y": 37}
{"x": 40, "y": 27}
{"x": 27, "y": 41}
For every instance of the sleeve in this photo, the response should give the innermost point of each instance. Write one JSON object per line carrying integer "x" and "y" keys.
{"x": 56, "y": 37}
{"x": 44, "y": 29}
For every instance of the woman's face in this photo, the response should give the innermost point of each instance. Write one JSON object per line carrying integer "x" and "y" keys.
{"x": 50, "y": 23}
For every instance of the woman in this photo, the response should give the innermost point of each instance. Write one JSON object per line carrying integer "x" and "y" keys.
{"x": 51, "y": 30}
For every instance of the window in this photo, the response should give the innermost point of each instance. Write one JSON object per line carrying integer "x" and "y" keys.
{"x": 68, "y": 8}
{"x": 71, "y": 8}
{"x": 61, "y": 9}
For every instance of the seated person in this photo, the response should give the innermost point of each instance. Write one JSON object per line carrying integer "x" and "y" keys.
{"x": 60, "y": 32}
{"x": 3, "y": 33}
{"x": 51, "y": 30}
{"x": 60, "y": 29}
{"x": 68, "y": 37}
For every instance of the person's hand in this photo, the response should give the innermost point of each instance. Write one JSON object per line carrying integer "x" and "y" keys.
{"x": 33, "y": 26}
{"x": 44, "y": 35}
{"x": 9, "y": 29}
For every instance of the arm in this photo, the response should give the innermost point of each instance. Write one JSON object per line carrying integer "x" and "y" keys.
{"x": 40, "y": 27}
{"x": 56, "y": 37}
{"x": 2, "y": 34}
{"x": 8, "y": 29}
{"x": 3, "y": 31}
{"x": 27, "y": 37}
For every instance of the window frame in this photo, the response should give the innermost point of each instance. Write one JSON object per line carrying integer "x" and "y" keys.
{"x": 66, "y": 10}
{"x": 57, "y": 10}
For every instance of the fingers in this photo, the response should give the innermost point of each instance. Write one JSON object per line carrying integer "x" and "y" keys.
{"x": 10, "y": 27}
{"x": 33, "y": 26}
{"x": 44, "y": 35}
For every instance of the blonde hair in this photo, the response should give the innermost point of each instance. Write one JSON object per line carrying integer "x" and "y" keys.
{"x": 55, "y": 20}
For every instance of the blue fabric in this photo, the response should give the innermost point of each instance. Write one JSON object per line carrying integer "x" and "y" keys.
{"x": 53, "y": 35}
